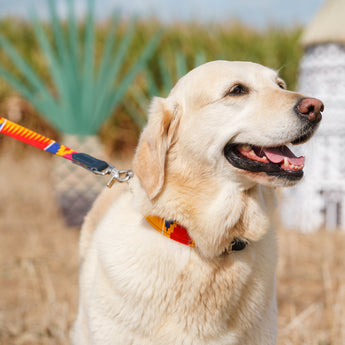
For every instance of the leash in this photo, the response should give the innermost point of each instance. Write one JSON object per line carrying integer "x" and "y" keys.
{"x": 84, "y": 160}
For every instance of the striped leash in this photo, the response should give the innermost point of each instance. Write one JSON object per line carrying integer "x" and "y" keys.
{"x": 86, "y": 161}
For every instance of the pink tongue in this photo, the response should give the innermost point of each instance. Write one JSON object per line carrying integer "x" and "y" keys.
{"x": 277, "y": 155}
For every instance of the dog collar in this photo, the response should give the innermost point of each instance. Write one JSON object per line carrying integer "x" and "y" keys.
{"x": 171, "y": 229}
{"x": 177, "y": 232}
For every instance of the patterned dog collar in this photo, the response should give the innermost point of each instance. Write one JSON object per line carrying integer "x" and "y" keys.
{"x": 171, "y": 229}
{"x": 177, "y": 232}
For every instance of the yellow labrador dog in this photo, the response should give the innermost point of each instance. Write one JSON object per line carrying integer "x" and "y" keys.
{"x": 186, "y": 254}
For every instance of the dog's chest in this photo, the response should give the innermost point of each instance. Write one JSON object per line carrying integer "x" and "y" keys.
{"x": 160, "y": 285}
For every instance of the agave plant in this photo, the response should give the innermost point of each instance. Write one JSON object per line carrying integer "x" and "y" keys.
{"x": 84, "y": 91}
{"x": 139, "y": 97}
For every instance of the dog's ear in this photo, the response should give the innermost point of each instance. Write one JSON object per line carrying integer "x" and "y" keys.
{"x": 154, "y": 143}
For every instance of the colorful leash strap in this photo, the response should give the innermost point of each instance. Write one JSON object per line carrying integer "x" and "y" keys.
{"x": 86, "y": 161}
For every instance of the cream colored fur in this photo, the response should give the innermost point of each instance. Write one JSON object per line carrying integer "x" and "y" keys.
{"x": 137, "y": 286}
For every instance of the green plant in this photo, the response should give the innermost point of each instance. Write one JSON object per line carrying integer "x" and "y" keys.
{"x": 83, "y": 94}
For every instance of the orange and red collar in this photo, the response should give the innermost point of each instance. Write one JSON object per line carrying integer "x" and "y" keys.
{"x": 171, "y": 229}
{"x": 177, "y": 232}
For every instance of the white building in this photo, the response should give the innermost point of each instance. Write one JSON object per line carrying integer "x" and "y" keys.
{"x": 319, "y": 199}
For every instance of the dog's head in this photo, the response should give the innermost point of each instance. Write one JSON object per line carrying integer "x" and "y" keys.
{"x": 230, "y": 118}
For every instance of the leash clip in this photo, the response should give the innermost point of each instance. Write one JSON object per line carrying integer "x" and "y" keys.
{"x": 102, "y": 168}
{"x": 116, "y": 174}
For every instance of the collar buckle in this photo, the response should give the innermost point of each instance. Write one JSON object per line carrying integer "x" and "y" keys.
{"x": 236, "y": 245}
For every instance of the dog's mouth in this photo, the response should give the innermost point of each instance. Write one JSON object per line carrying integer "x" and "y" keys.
{"x": 277, "y": 161}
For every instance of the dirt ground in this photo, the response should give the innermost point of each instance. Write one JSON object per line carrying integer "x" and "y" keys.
{"x": 39, "y": 266}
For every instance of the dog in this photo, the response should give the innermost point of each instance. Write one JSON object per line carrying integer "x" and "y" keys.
{"x": 186, "y": 253}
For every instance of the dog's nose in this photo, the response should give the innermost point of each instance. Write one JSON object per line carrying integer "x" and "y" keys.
{"x": 310, "y": 109}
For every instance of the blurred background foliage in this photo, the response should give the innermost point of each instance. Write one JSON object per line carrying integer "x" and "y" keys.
{"x": 182, "y": 47}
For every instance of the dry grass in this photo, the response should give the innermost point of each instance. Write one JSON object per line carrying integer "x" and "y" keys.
{"x": 38, "y": 256}
{"x": 38, "y": 267}
{"x": 311, "y": 288}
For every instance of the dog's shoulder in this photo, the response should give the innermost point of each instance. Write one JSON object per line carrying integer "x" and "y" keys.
{"x": 95, "y": 215}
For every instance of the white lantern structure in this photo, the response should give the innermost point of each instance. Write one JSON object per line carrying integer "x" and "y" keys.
{"x": 319, "y": 199}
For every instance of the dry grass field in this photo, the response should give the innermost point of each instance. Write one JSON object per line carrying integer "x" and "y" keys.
{"x": 39, "y": 264}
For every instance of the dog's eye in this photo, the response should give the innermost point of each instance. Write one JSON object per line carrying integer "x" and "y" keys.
{"x": 281, "y": 84}
{"x": 237, "y": 89}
